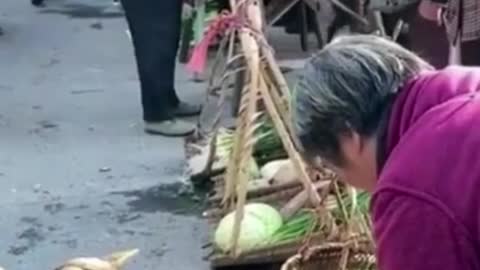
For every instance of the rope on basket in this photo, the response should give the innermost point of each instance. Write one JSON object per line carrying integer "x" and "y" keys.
{"x": 348, "y": 252}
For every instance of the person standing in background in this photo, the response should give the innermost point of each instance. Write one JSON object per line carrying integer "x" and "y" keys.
{"x": 461, "y": 19}
{"x": 155, "y": 29}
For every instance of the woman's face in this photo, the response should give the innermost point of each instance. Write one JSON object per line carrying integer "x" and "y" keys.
{"x": 359, "y": 167}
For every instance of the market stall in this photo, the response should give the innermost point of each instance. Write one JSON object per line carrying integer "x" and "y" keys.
{"x": 300, "y": 210}
{"x": 266, "y": 205}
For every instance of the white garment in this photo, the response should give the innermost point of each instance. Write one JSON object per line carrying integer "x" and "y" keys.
{"x": 455, "y": 54}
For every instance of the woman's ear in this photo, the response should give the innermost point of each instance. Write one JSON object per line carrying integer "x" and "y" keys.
{"x": 351, "y": 146}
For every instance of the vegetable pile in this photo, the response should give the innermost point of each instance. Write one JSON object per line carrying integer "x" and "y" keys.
{"x": 262, "y": 225}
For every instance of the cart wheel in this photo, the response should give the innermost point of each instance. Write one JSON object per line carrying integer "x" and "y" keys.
{"x": 302, "y": 10}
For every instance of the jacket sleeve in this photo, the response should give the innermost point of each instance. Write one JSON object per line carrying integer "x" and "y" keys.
{"x": 414, "y": 234}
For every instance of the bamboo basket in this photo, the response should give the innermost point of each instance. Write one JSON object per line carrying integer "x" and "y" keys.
{"x": 329, "y": 258}
{"x": 318, "y": 252}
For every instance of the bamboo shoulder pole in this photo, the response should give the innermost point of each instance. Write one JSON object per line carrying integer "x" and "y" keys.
{"x": 281, "y": 125}
{"x": 244, "y": 139}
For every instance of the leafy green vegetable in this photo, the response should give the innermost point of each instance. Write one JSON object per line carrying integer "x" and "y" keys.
{"x": 259, "y": 223}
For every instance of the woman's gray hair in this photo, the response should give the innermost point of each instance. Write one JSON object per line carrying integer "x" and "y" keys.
{"x": 347, "y": 87}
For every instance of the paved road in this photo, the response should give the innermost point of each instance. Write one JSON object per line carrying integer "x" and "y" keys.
{"x": 77, "y": 174}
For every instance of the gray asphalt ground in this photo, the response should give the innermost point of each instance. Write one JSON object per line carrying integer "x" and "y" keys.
{"x": 78, "y": 177}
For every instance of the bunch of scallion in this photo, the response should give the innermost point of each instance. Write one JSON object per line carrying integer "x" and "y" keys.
{"x": 268, "y": 144}
{"x": 296, "y": 228}
{"x": 352, "y": 204}
{"x": 306, "y": 222}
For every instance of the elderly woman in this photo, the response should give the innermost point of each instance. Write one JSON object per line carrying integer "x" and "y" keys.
{"x": 389, "y": 123}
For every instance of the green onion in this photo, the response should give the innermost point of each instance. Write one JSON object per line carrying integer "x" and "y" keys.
{"x": 296, "y": 228}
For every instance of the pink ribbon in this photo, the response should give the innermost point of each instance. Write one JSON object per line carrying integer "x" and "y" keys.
{"x": 218, "y": 27}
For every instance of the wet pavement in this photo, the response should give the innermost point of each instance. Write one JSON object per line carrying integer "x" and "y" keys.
{"x": 78, "y": 177}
